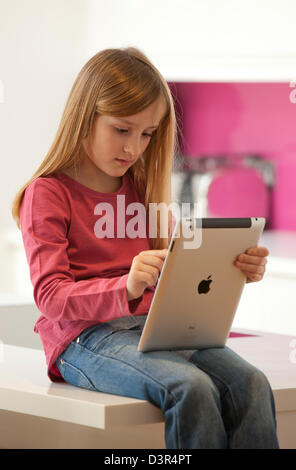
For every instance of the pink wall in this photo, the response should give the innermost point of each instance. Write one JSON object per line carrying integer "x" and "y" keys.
{"x": 244, "y": 117}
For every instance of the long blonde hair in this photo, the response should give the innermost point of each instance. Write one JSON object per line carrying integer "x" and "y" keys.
{"x": 116, "y": 82}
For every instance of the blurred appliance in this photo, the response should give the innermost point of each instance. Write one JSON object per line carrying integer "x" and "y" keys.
{"x": 225, "y": 186}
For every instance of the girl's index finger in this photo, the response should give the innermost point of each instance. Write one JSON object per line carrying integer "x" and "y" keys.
{"x": 161, "y": 253}
{"x": 258, "y": 251}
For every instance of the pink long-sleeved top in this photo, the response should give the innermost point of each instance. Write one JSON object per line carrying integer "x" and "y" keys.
{"x": 79, "y": 278}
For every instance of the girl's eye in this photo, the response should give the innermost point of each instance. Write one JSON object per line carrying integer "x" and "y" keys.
{"x": 124, "y": 131}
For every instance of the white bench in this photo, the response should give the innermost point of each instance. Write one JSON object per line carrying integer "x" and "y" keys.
{"x": 36, "y": 413}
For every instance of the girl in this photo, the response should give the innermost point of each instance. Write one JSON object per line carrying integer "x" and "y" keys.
{"x": 115, "y": 144}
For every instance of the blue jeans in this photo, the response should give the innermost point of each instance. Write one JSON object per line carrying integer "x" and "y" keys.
{"x": 210, "y": 398}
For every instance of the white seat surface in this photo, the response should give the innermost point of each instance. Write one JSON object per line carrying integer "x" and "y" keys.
{"x": 25, "y": 387}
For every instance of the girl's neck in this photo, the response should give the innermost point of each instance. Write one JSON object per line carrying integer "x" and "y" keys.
{"x": 91, "y": 177}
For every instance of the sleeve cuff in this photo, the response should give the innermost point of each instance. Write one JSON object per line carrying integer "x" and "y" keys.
{"x": 126, "y": 307}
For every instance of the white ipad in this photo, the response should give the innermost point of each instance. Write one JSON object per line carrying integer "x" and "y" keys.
{"x": 199, "y": 287}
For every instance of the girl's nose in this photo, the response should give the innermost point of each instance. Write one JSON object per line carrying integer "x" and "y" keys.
{"x": 133, "y": 148}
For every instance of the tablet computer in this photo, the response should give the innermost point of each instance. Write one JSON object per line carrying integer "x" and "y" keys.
{"x": 199, "y": 287}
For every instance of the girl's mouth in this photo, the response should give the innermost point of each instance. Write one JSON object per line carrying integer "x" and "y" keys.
{"x": 123, "y": 162}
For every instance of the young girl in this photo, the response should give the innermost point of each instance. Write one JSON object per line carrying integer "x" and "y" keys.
{"x": 115, "y": 145}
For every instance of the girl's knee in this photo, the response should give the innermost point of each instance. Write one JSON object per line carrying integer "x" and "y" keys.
{"x": 253, "y": 389}
{"x": 256, "y": 379}
{"x": 261, "y": 385}
{"x": 197, "y": 390}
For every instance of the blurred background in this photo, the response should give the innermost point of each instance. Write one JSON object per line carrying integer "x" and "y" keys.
{"x": 231, "y": 66}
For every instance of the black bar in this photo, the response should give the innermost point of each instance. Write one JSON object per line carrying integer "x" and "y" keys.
{"x": 230, "y": 222}
{"x": 172, "y": 245}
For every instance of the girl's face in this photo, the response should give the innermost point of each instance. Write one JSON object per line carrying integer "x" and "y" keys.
{"x": 116, "y": 143}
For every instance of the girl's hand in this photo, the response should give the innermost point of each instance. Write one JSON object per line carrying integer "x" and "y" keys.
{"x": 144, "y": 272}
{"x": 252, "y": 263}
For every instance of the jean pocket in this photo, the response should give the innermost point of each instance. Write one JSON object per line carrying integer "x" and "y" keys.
{"x": 73, "y": 375}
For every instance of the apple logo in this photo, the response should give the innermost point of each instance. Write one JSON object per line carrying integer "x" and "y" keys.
{"x": 204, "y": 285}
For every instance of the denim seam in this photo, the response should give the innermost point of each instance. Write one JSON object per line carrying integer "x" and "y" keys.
{"x": 144, "y": 374}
